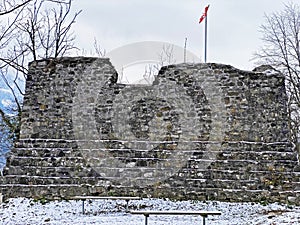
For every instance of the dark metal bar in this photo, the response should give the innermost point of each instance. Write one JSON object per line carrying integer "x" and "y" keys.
{"x": 204, "y": 217}
{"x": 83, "y": 200}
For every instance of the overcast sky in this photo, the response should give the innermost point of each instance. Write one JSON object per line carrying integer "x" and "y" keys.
{"x": 233, "y": 25}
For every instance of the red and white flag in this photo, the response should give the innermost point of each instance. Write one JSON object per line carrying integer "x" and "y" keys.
{"x": 204, "y": 14}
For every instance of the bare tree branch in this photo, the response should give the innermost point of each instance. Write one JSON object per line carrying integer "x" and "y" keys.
{"x": 281, "y": 37}
{"x": 14, "y": 8}
{"x": 39, "y": 29}
{"x": 98, "y": 50}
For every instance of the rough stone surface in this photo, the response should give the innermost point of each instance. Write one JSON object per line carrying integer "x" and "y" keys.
{"x": 201, "y": 131}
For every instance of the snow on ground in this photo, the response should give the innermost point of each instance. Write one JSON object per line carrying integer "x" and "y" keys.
{"x": 19, "y": 211}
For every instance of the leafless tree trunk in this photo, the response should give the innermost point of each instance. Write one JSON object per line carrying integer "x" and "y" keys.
{"x": 281, "y": 37}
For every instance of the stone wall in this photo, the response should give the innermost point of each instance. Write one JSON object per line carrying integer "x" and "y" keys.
{"x": 201, "y": 131}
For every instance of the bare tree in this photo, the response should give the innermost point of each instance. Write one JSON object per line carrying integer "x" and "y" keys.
{"x": 281, "y": 37}
{"x": 34, "y": 29}
{"x": 166, "y": 57}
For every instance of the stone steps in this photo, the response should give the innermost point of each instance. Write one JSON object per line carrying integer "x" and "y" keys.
{"x": 51, "y": 171}
{"x": 50, "y": 191}
{"x": 45, "y": 152}
{"x": 43, "y": 180}
{"x": 244, "y": 164}
{"x": 45, "y": 191}
{"x": 247, "y": 166}
{"x": 40, "y": 180}
{"x": 46, "y": 161}
{"x": 187, "y": 173}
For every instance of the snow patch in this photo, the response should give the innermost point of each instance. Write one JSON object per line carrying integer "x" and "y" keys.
{"x": 270, "y": 72}
{"x": 111, "y": 212}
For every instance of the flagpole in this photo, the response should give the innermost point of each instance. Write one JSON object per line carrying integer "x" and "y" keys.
{"x": 205, "y": 40}
{"x": 184, "y": 53}
{"x": 204, "y": 17}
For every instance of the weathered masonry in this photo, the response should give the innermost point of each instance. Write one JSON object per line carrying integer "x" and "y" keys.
{"x": 201, "y": 131}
